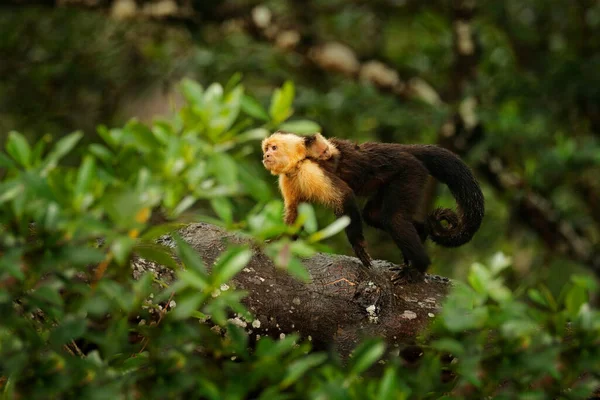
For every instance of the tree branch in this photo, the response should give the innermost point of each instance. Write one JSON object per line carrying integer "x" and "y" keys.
{"x": 342, "y": 303}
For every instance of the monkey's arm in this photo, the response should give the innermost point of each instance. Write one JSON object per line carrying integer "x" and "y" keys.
{"x": 291, "y": 200}
{"x": 291, "y": 211}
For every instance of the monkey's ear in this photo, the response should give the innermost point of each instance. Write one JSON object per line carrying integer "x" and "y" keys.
{"x": 317, "y": 147}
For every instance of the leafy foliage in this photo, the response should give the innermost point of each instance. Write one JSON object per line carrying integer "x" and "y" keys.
{"x": 73, "y": 331}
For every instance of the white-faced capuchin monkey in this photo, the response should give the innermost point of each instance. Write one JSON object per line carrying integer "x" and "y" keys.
{"x": 333, "y": 172}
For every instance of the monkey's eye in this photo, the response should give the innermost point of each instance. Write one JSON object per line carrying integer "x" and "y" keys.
{"x": 274, "y": 147}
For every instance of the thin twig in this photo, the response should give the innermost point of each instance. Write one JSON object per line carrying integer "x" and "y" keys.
{"x": 77, "y": 349}
{"x": 160, "y": 317}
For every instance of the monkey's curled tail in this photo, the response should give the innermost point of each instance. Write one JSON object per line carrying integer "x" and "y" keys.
{"x": 448, "y": 168}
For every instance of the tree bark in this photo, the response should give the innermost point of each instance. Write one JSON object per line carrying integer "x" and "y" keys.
{"x": 340, "y": 304}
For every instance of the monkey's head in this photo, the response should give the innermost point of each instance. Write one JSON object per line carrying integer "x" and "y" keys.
{"x": 282, "y": 151}
{"x": 319, "y": 148}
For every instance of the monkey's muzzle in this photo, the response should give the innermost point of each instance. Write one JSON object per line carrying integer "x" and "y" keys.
{"x": 267, "y": 162}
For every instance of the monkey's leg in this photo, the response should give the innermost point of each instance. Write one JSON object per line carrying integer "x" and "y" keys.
{"x": 372, "y": 211}
{"x": 354, "y": 231}
{"x": 400, "y": 202}
{"x": 421, "y": 230}
{"x": 372, "y": 216}
{"x": 407, "y": 239}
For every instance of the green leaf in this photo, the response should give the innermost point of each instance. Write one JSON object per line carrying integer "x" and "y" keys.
{"x": 122, "y": 207}
{"x": 575, "y": 298}
{"x": 254, "y": 185}
{"x": 230, "y": 263}
{"x": 52, "y": 217}
{"x": 159, "y": 230}
{"x": 64, "y": 146}
{"x": 252, "y": 134}
{"x": 12, "y": 262}
{"x": 307, "y": 213}
{"x": 548, "y": 296}
{"x": 213, "y": 95}
{"x": 193, "y": 278}
{"x": 586, "y": 282}
{"x": 117, "y": 293}
{"x": 479, "y": 278}
{"x": 102, "y": 153}
{"x": 192, "y": 92}
{"x": 10, "y": 189}
{"x": 38, "y": 150}
{"x": 183, "y": 205}
{"x": 388, "y": 386}
{"x": 5, "y": 161}
{"x": 135, "y": 363}
{"x": 112, "y": 137}
{"x": 59, "y": 150}
{"x": 163, "y": 131}
{"x": 208, "y": 389}
{"x": 298, "y": 368}
{"x": 85, "y": 175}
{"x": 302, "y": 249}
{"x": 69, "y": 329}
{"x": 18, "y": 148}
{"x": 301, "y": 126}
{"x": 187, "y": 304}
{"x": 224, "y": 168}
{"x": 449, "y": 345}
{"x": 218, "y": 307}
{"x": 143, "y": 286}
{"x": 253, "y": 108}
{"x": 222, "y": 206}
{"x": 143, "y": 138}
{"x": 121, "y": 248}
{"x": 48, "y": 295}
{"x": 231, "y": 109}
{"x": 81, "y": 255}
{"x": 233, "y": 82}
{"x": 537, "y": 297}
{"x": 190, "y": 258}
{"x": 281, "y": 103}
{"x": 330, "y": 230}
{"x": 157, "y": 253}
{"x": 366, "y": 355}
{"x": 457, "y": 319}
{"x": 297, "y": 270}
{"x": 238, "y": 340}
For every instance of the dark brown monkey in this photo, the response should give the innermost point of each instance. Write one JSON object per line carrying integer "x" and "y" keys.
{"x": 334, "y": 171}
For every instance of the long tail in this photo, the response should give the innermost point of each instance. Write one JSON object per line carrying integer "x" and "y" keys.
{"x": 447, "y": 167}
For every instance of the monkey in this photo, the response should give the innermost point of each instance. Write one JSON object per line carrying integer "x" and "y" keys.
{"x": 335, "y": 172}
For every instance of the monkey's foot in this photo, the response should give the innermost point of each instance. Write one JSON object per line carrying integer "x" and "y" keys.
{"x": 363, "y": 256}
{"x": 407, "y": 274}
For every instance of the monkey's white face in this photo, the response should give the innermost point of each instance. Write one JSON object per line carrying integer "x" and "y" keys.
{"x": 281, "y": 152}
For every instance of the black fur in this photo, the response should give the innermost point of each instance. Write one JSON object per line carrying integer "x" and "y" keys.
{"x": 349, "y": 207}
{"x": 354, "y": 230}
{"x": 393, "y": 176}
{"x": 446, "y": 167}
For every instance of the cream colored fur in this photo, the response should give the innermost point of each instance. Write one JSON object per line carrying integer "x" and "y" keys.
{"x": 300, "y": 179}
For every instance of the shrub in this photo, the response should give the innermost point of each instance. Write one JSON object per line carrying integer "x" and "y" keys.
{"x": 76, "y": 324}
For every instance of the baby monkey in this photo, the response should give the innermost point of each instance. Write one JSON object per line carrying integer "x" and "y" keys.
{"x": 334, "y": 172}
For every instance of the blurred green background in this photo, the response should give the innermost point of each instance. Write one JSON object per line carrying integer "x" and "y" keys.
{"x": 512, "y": 86}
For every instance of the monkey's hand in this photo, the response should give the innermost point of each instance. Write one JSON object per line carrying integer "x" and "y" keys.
{"x": 363, "y": 256}
{"x": 407, "y": 274}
